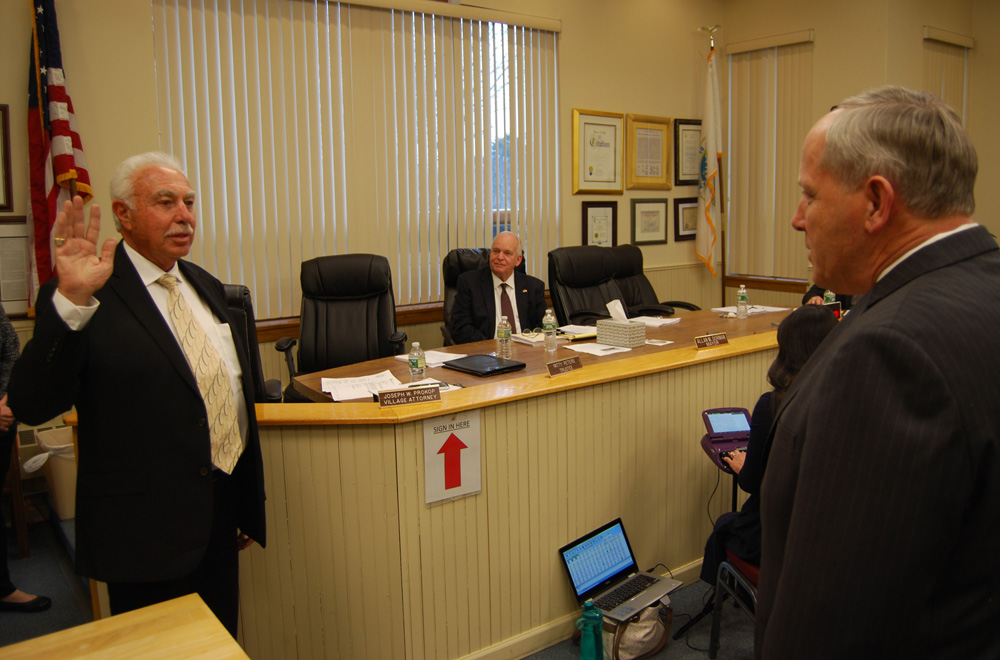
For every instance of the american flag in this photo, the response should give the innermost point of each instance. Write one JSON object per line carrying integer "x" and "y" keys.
{"x": 58, "y": 167}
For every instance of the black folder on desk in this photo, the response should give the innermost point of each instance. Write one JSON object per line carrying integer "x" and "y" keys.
{"x": 483, "y": 365}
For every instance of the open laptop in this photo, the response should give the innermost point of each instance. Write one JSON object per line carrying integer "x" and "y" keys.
{"x": 483, "y": 365}
{"x": 601, "y": 566}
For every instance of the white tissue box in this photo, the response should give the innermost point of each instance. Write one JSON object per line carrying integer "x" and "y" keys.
{"x": 615, "y": 333}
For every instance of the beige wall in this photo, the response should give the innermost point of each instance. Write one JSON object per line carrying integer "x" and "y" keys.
{"x": 107, "y": 51}
{"x": 984, "y": 99}
{"x": 640, "y": 56}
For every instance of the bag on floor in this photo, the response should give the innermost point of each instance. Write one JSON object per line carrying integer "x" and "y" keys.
{"x": 640, "y": 637}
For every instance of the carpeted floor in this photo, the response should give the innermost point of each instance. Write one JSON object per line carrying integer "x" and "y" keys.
{"x": 48, "y": 571}
{"x": 736, "y": 638}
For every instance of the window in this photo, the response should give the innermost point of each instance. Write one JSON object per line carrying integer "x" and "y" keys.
{"x": 312, "y": 128}
{"x": 770, "y": 101}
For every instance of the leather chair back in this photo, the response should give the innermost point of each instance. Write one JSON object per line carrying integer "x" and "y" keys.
{"x": 348, "y": 311}
{"x": 240, "y": 305}
{"x": 638, "y": 293}
{"x": 630, "y": 278}
{"x": 581, "y": 283}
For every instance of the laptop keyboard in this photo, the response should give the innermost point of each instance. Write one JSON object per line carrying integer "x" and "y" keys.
{"x": 619, "y": 595}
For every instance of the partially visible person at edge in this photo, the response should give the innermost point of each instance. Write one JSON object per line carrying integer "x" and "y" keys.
{"x": 881, "y": 500}
{"x": 12, "y": 599}
{"x": 814, "y": 296}
{"x": 161, "y": 510}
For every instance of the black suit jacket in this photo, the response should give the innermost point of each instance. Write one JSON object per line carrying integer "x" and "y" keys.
{"x": 144, "y": 486}
{"x": 474, "y": 316}
{"x": 881, "y": 499}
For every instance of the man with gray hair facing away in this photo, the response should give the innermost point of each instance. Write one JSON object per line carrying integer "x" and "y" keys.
{"x": 881, "y": 502}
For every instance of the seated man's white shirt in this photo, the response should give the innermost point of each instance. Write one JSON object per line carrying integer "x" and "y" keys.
{"x": 515, "y": 323}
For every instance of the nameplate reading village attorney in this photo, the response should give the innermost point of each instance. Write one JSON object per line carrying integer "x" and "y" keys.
{"x": 422, "y": 394}
{"x": 564, "y": 366}
{"x": 711, "y": 340}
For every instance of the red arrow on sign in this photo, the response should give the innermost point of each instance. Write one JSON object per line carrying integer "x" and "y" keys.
{"x": 452, "y": 450}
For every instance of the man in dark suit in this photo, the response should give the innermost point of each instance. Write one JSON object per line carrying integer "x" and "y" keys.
{"x": 881, "y": 498}
{"x": 170, "y": 484}
{"x": 479, "y": 300}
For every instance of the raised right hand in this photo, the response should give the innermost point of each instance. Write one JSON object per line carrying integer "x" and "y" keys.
{"x": 80, "y": 269}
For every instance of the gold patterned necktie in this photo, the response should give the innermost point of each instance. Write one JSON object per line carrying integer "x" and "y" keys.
{"x": 212, "y": 376}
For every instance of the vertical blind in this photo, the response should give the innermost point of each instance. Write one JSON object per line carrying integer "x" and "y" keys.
{"x": 311, "y": 128}
{"x": 770, "y": 96}
{"x": 946, "y": 73}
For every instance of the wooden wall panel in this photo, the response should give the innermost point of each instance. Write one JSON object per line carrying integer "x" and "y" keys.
{"x": 479, "y": 577}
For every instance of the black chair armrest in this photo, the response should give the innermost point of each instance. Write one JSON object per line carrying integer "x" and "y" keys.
{"x": 285, "y": 345}
{"x": 446, "y": 333}
{"x": 587, "y": 316}
{"x": 651, "y": 310}
{"x": 272, "y": 390}
{"x": 398, "y": 341}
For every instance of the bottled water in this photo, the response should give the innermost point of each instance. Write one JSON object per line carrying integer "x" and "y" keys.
{"x": 549, "y": 328}
{"x": 742, "y": 302}
{"x": 418, "y": 364}
{"x": 829, "y": 297}
{"x": 590, "y": 625}
{"x": 503, "y": 338}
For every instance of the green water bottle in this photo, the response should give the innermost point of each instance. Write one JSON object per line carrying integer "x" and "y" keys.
{"x": 590, "y": 625}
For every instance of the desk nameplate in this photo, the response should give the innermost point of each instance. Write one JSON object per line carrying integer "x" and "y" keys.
{"x": 711, "y": 340}
{"x": 558, "y": 367}
{"x": 422, "y": 394}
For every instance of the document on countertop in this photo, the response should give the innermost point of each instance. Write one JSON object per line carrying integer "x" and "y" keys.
{"x": 360, "y": 387}
{"x": 534, "y": 338}
{"x": 597, "y": 349}
{"x": 434, "y": 358}
{"x": 656, "y": 322}
{"x": 575, "y": 332}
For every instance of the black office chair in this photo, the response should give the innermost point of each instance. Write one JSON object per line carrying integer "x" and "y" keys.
{"x": 241, "y": 309}
{"x": 348, "y": 315}
{"x": 456, "y": 262}
{"x": 581, "y": 283}
{"x": 640, "y": 298}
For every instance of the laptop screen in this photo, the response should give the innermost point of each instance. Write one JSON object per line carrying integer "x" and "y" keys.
{"x": 598, "y": 560}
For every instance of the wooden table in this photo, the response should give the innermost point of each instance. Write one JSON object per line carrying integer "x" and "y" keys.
{"x": 179, "y": 628}
{"x": 692, "y": 324}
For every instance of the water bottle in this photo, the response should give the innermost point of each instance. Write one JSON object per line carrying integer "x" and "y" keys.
{"x": 829, "y": 297}
{"x": 549, "y": 328}
{"x": 503, "y": 338}
{"x": 742, "y": 302}
{"x": 590, "y": 625}
{"x": 418, "y": 364}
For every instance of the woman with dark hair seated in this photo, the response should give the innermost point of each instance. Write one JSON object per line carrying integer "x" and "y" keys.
{"x": 739, "y": 531}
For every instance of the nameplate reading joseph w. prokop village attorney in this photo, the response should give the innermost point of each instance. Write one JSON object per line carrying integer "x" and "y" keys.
{"x": 422, "y": 394}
